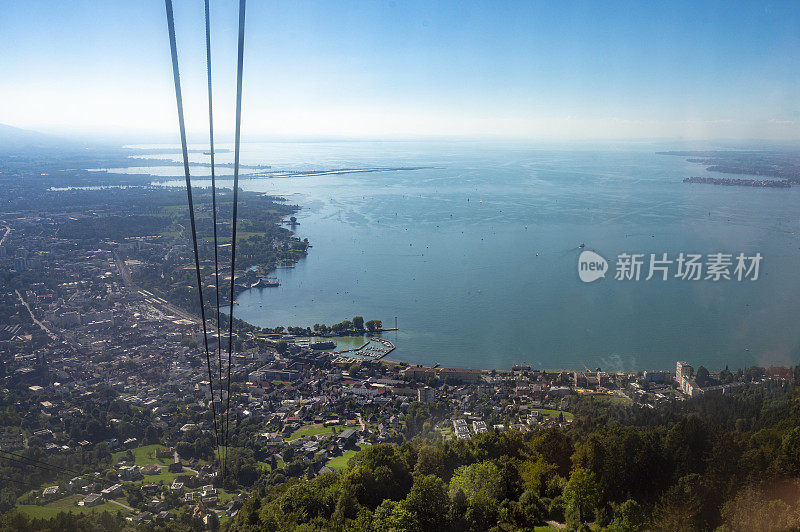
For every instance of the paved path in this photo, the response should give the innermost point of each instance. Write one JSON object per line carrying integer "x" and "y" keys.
{"x": 112, "y": 501}
{"x": 37, "y": 322}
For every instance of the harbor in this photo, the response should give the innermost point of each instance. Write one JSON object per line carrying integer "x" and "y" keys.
{"x": 374, "y": 349}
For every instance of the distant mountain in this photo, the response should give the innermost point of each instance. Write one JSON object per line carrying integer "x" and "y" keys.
{"x": 16, "y": 139}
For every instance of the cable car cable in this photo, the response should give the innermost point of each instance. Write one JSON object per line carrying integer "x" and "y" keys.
{"x": 237, "y": 138}
{"x": 213, "y": 202}
{"x": 182, "y": 127}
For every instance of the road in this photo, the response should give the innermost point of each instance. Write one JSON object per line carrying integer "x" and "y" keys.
{"x": 112, "y": 501}
{"x": 50, "y": 333}
{"x": 8, "y": 230}
{"x": 124, "y": 272}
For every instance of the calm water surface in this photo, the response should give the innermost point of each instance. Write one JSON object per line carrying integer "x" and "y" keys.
{"x": 477, "y": 256}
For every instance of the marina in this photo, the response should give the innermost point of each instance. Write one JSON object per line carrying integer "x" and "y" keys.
{"x": 374, "y": 349}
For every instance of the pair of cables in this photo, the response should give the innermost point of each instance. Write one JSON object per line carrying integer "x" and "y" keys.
{"x": 221, "y": 428}
{"x": 24, "y": 461}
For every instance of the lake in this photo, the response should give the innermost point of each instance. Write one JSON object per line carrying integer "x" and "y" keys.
{"x": 476, "y": 255}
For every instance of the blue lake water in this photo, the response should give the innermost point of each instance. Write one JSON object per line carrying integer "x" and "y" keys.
{"x": 477, "y": 256}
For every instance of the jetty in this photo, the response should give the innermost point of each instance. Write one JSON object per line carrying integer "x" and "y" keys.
{"x": 389, "y": 346}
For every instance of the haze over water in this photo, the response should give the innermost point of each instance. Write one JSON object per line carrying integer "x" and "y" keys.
{"x": 477, "y": 256}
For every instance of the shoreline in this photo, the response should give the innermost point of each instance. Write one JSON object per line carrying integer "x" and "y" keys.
{"x": 394, "y": 359}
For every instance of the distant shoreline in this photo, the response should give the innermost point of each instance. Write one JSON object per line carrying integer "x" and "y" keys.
{"x": 730, "y": 182}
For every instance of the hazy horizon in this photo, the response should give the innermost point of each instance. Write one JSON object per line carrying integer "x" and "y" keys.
{"x": 519, "y": 71}
{"x": 199, "y": 141}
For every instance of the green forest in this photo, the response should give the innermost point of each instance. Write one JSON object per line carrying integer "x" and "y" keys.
{"x": 710, "y": 463}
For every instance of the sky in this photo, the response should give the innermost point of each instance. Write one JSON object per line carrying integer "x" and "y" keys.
{"x": 407, "y": 69}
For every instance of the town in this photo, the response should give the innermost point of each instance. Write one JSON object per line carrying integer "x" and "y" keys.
{"x": 111, "y": 376}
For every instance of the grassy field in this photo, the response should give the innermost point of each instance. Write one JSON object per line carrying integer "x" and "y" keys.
{"x": 266, "y": 467}
{"x": 67, "y": 504}
{"x": 144, "y": 456}
{"x": 313, "y": 430}
{"x": 164, "y": 477}
{"x": 546, "y": 412}
{"x": 147, "y": 455}
{"x": 610, "y": 398}
{"x": 340, "y": 462}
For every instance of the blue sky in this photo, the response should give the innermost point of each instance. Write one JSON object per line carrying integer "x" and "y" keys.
{"x": 540, "y": 70}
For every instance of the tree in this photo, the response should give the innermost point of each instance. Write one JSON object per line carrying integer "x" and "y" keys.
{"x": 482, "y": 512}
{"x": 282, "y": 346}
{"x": 556, "y": 509}
{"x": 428, "y": 500}
{"x": 396, "y": 517}
{"x": 625, "y": 460}
{"x": 213, "y": 521}
{"x": 151, "y": 435}
{"x": 481, "y": 477}
{"x": 790, "y": 452}
{"x": 354, "y": 368}
{"x": 376, "y": 473}
{"x": 288, "y": 454}
{"x": 555, "y": 446}
{"x": 532, "y": 507}
{"x": 430, "y": 461}
{"x": 687, "y": 443}
{"x": 536, "y": 474}
{"x": 374, "y": 326}
{"x": 628, "y": 516}
{"x": 683, "y": 506}
{"x": 358, "y": 323}
{"x": 702, "y": 378}
{"x": 753, "y": 509}
{"x": 582, "y": 497}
